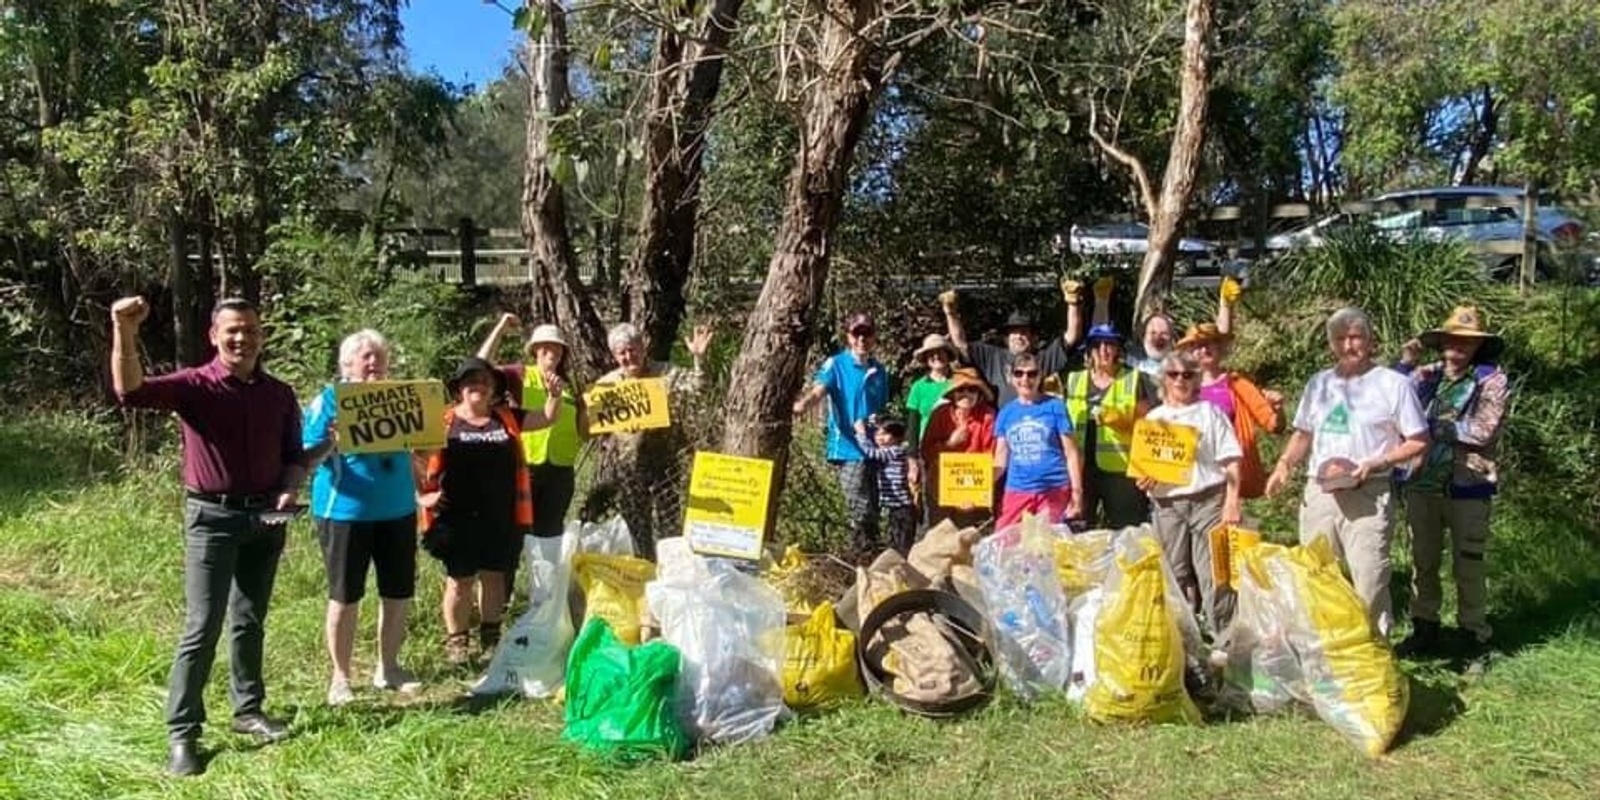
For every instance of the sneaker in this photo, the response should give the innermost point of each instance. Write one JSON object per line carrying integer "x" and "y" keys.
{"x": 396, "y": 680}
{"x": 1423, "y": 641}
{"x": 458, "y": 649}
{"x": 339, "y": 692}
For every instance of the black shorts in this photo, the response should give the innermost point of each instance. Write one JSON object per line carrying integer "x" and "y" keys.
{"x": 553, "y": 487}
{"x": 471, "y": 546}
{"x": 390, "y": 546}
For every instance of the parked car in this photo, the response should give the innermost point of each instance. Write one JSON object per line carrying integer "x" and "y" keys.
{"x": 1487, "y": 218}
{"x": 1128, "y": 238}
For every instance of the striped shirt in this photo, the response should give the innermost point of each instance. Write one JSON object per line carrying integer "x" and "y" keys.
{"x": 894, "y": 490}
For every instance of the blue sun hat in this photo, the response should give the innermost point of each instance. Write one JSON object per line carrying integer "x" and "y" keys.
{"x": 1103, "y": 333}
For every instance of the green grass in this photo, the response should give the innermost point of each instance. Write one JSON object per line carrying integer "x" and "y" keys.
{"x": 90, "y": 602}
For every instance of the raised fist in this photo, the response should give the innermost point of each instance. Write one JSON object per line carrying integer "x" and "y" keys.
{"x": 1071, "y": 290}
{"x": 130, "y": 311}
{"x": 947, "y": 299}
{"x": 510, "y": 321}
{"x": 1231, "y": 290}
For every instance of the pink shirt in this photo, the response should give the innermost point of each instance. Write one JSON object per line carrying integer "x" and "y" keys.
{"x": 1219, "y": 394}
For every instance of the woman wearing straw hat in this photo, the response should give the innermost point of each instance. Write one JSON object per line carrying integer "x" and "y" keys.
{"x": 962, "y": 423}
{"x": 927, "y": 391}
{"x": 1251, "y": 410}
{"x": 1451, "y": 487}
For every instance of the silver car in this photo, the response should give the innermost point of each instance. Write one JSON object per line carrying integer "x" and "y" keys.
{"x": 1487, "y": 218}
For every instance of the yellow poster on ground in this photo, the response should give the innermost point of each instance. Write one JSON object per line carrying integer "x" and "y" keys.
{"x": 726, "y": 514}
{"x": 386, "y": 416}
{"x": 631, "y": 405}
{"x": 966, "y": 479}
{"x": 1163, "y": 452}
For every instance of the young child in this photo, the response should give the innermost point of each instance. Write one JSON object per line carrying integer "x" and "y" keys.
{"x": 899, "y": 477}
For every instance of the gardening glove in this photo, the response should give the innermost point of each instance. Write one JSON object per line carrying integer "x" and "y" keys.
{"x": 1231, "y": 290}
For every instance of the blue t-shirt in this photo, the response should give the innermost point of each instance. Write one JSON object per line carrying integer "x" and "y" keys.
{"x": 356, "y": 488}
{"x": 855, "y": 392}
{"x": 1032, "y": 432}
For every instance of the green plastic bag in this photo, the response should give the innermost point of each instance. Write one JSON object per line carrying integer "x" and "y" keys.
{"x": 621, "y": 700}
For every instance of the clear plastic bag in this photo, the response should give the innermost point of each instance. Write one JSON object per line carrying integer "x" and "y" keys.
{"x": 1262, "y": 673}
{"x": 730, "y": 629}
{"x": 609, "y": 537}
{"x": 1027, "y": 609}
{"x": 532, "y": 657}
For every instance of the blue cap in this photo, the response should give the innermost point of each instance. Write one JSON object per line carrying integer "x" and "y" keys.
{"x": 1103, "y": 333}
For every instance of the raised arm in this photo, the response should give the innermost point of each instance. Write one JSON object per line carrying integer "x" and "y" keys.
{"x": 1227, "y": 296}
{"x": 127, "y": 314}
{"x": 952, "y": 322}
{"x": 1072, "y": 295}
{"x": 1102, "y": 301}
{"x": 507, "y": 322}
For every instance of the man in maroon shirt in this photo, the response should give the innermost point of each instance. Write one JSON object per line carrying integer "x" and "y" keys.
{"x": 241, "y": 456}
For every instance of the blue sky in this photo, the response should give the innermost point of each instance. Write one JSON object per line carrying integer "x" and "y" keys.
{"x": 465, "y": 41}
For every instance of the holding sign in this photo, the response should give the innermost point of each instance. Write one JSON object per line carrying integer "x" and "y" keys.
{"x": 727, "y": 508}
{"x": 1163, "y": 452}
{"x": 966, "y": 479}
{"x": 385, "y": 416}
{"x": 631, "y": 405}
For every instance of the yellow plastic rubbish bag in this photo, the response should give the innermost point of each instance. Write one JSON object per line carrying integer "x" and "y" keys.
{"x": 819, "y": 667}
{"x": 613, "y": 590}
{"x": 1354, "y": 682}
{"x": 1138, "y": 644}
{"x": 1082, "y": 560}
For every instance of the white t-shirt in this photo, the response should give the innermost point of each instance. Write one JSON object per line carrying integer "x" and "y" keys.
{"x": 1357, "y": 418}
{"x": 1215, "y": 446}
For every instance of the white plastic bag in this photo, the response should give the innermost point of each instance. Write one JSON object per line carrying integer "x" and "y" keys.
{"x": 1026, "y": 607}
{"x": 532, "y": 656}
{"x": 1085, "y": 610}
{"x": 729, "y": 628}
{"x": 608, "y": 538}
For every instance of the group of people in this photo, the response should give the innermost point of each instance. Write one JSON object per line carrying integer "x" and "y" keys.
{"x": 1059, "y": 439}
{"x": 1060, "y": 436}
{"x": 506, "y": 475}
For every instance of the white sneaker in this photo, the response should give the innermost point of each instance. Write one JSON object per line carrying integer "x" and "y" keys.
{"x": 339, "y": 693}
{"x": 399, "y": 680}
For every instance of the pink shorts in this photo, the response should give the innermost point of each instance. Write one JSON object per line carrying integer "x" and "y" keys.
{"x": 1051, "y": 504}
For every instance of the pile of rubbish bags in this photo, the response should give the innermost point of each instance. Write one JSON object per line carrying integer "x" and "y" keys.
{"x": 656, "y": 659}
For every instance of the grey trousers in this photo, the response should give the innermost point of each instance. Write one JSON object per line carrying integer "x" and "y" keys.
{"x": 858, "y": 481}
{"x": 1184, "y": 525}
{"x": 229, "y": 564}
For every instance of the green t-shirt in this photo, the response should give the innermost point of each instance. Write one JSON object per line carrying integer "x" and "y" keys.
{"x": 925, "y": 393}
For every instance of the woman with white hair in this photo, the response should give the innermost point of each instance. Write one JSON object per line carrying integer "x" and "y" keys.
{"x": 364, "y": 510}
{"x": 643, "y": 466}
{"x": 1357, "y": 421}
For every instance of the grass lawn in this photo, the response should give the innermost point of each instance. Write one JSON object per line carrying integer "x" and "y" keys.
{"x": 90, "y": 604}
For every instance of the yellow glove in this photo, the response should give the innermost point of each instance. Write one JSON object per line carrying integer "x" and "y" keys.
{"x": 1071, "y": 290}
{"x": 947, "y": 298}
{"x": 1102, "y": 288}
{"x": 1231, "y": 290}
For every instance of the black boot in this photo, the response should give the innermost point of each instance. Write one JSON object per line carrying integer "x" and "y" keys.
{"x": 1423, "y": 641}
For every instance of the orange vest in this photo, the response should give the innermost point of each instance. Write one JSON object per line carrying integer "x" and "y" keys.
{"x": 433, "y": 475}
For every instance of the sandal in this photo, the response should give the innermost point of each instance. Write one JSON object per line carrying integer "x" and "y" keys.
{"x": 458, "y": 649}
{"x": 489, "y": 637}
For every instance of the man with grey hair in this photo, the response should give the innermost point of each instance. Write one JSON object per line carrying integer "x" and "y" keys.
{"x": 643, "y": 467}
{"x": 1357, "y": 421}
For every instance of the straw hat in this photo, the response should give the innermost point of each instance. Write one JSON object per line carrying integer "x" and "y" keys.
{"x": 967, "y": 378}
{"x": 933, "y": 343}
{"x": 1465, "y": 322}
{"x": 546, "y": 334}
{"x": 1204, "y": 333}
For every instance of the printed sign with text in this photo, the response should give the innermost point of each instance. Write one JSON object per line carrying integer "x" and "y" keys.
{"x": 631, "y": 405}
{"x": 385, "y": 416}
{"x": 966, "y": 479}
{"x": 726, "y": 514}
{"x": 1163, "y": 452}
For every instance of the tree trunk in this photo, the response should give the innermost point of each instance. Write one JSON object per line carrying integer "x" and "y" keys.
{"x": 772, "y": 359}
{"x": 188, "y": 331}
{"x": 558, "y": 294}
{"x": 685, "y": 76}
{"x": 1530, "y": 235}
{"x": 1482, "y": 138}
{"x": 1183, "y": 159}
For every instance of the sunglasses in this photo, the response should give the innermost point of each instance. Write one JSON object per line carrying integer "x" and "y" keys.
{"x": 1024, "y": 373}
{"x": 1187, "y": 375}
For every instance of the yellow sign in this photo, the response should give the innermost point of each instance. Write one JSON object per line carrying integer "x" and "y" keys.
{"x": 1228, "y": 544}
{"x": 726, "y": 514}
{"x": 966, "y": 479}
{"x": 631, "y": 405}
{"x": 1163, "y": 452}
{"x": 385, "y": 416}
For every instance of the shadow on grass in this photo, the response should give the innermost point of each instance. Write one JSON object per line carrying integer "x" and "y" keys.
{"x": 1576, "y": 606}
{"x": 1435, "y": 703}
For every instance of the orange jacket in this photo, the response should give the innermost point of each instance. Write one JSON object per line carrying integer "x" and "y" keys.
{"x": 1252, "y": 416}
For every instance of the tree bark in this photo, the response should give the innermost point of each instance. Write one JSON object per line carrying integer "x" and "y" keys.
{"x": 1183, "y": 159}
{"x": 558, "y": 292}
{"x": 685, "y": 76}
{"x": 1482, "y": 138}
{"x": 767, "y": 374}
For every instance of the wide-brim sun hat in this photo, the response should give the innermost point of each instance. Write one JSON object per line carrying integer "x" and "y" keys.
{"x": 469, "y": 366}
{"x": 933, "y": 343}
{"x": 1204, "y": 333}
{"x": 1018, "y": 319}
{"x": 967, "y": 379}
{"x": 546, "y": 334}
{"x": 1465, "y": 322}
